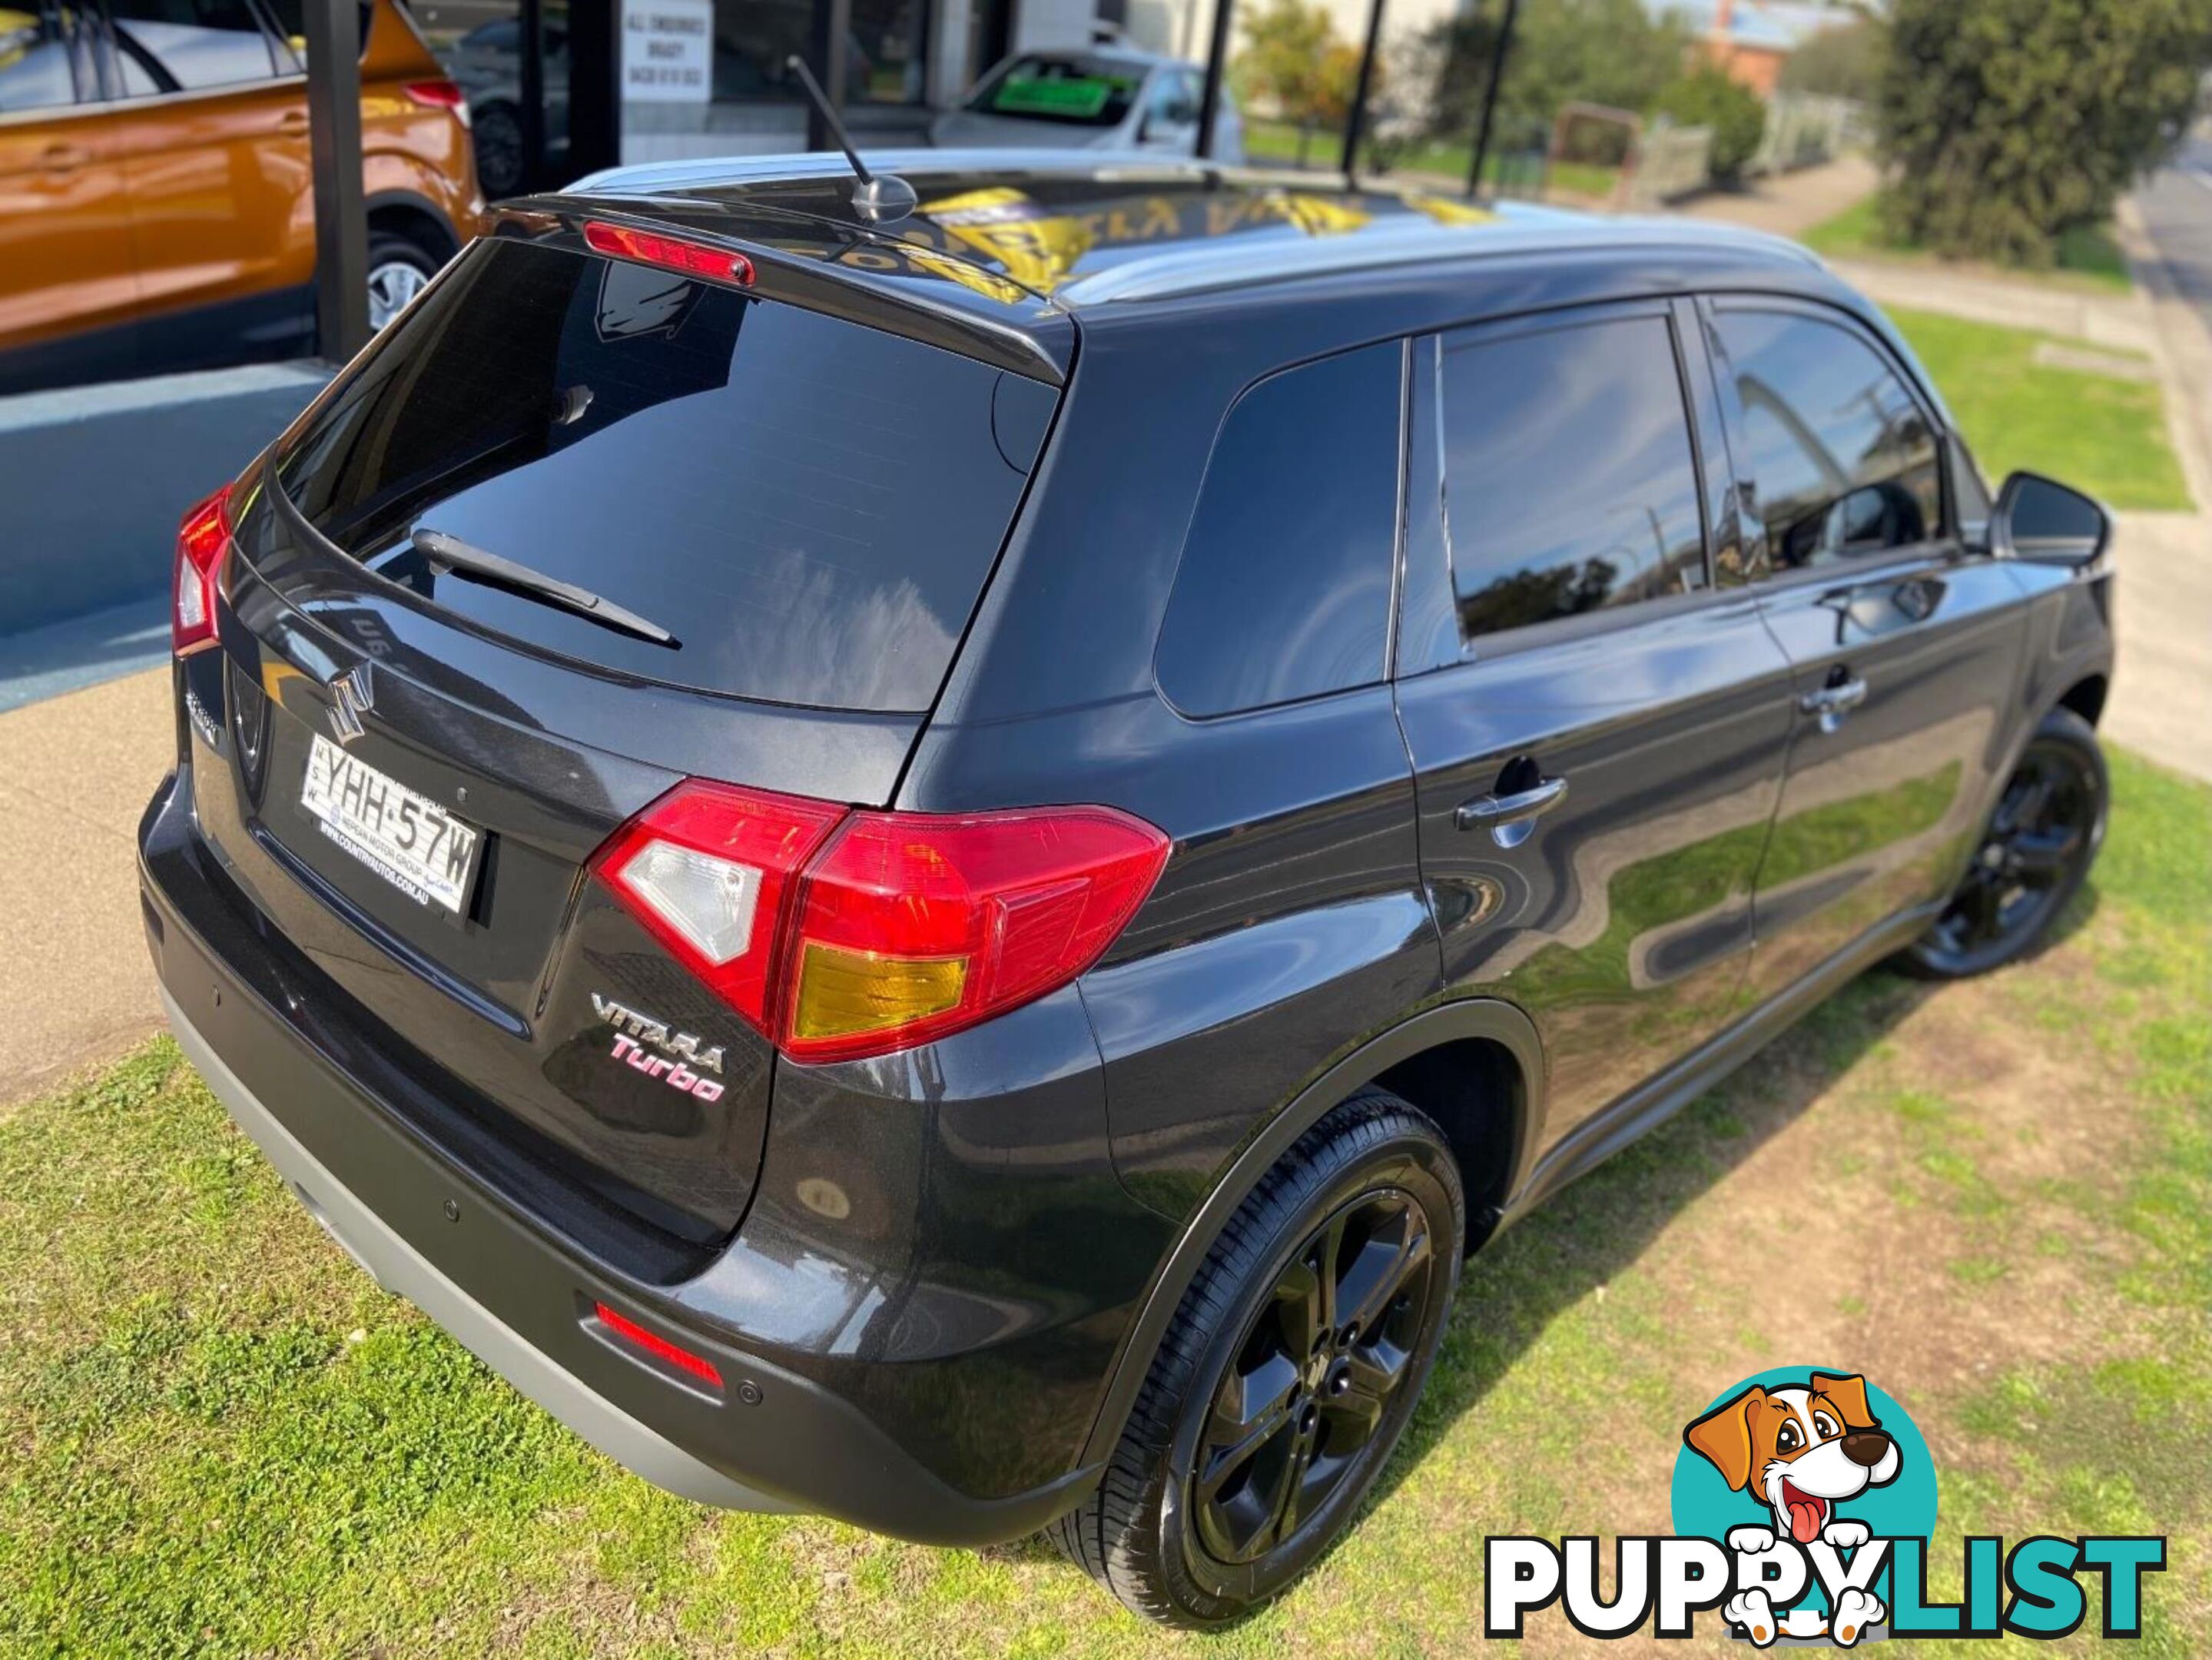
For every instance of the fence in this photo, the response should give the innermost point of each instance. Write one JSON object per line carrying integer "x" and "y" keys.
{"x": 1670, "y": 162}
{"x": 1803, "y": 128}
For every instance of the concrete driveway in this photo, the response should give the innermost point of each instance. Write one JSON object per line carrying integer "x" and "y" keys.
{"x": 75, "y": 773}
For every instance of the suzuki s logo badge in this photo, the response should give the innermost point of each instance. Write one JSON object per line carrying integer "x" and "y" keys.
{"x": 351, "y": 698}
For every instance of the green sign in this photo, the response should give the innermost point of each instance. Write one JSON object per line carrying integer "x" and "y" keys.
{"x": 1080, "y": 97}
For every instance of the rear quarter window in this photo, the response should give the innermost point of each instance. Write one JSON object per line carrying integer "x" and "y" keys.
{"x": 811, "y": 507}
{"x": 1284, "y": 591}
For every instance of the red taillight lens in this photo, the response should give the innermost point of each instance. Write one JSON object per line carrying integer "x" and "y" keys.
{"x": 438, "y": 95}
{"x": 912, "y": 925}
{"x": 670, "y": 252}
{"x": 841, "y": 935}
{"x": 201, "y": 539}
{"x": 708, "y": 868}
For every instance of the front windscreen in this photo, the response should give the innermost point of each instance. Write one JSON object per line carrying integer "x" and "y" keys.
{"x": 810, "y": 507}
{"x": 1078, "y": 92}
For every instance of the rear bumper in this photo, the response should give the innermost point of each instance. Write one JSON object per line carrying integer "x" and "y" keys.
{"x": 396, "y": 1265}
{"x": 518, "y": 1294}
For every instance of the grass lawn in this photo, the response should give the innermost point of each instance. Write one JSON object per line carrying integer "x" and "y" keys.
{"x": 1277, "y": 142}
{"x": 2087, "y": 258}
{"x": 2104, "y": 436}
{"x": 221, "y": 1439}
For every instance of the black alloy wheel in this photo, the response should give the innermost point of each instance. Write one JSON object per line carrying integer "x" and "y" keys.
{"x": 1314, "y": 1377}
{"x": 498, "y": 130}
{"x": 1287, "y": 1375}
{"x": 2035, "y": 851}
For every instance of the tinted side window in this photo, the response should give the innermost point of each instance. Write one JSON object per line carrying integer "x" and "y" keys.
{"x": 1284, "y": 591}
{"x": 199, "y": 42}
{"x": 1843, "y": 459}
{"x": 34, "y": 62}
{"x": 1568, "y": 480}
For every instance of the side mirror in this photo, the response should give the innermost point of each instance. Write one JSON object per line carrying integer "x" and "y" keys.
{"x": 2040, "y": 518}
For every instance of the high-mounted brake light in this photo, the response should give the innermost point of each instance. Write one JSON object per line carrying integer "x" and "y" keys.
{"x": 669, "y": 252}
{"x": 840, "y": 935}
{"x": 438, "y": 95}
{"x": 201, "y": 540}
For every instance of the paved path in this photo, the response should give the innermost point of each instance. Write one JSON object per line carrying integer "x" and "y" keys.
{"x": 1791, "y": 203}
{"x": 2121, "y": 322}
{"x": 2161, "y": 700}
{"x": 75, "y": 773}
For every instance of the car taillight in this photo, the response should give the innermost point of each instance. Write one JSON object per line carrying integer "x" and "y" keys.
{"x": 201, "y": 539}
{"x": 669, "y": 252}
{"x": 438, "y": 95}
{"x": 841, "y": 935}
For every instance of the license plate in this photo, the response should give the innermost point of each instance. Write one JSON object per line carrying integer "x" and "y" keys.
{"x": 404, "y": 836}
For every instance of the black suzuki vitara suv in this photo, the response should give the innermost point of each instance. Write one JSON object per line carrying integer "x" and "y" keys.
{"x": 937, "y": 871}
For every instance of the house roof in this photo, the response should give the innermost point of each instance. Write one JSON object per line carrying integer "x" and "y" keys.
{"x": 1773, "y": 25}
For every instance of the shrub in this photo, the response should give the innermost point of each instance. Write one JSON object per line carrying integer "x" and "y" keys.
{"x": 2007, "y": 123}
{"x": 1706, "y": 97}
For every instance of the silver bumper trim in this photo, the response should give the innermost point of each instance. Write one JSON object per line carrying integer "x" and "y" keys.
{"x": 398, "y": 1266}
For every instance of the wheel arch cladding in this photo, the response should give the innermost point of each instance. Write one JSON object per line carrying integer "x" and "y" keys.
{"x": 1475, "y": 1066}
{"x": 2085, "y": 697}
{"x": 415, "y": 219}
{"x": 1476, "y": 1091}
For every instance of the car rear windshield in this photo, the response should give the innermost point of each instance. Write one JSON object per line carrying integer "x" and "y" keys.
{"x": 1078, "y": 92}
{"x": 809, "y": 506}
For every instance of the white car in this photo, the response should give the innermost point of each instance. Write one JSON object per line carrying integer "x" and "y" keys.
{"x": 1099, "y": 98}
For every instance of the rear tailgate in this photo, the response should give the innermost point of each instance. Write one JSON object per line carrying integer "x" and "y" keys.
{"x": 417, "y": 768}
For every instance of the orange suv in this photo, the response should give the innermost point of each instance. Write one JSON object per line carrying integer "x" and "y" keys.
{"x": 156, "y": 206}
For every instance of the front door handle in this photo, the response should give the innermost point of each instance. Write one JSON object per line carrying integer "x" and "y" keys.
{"x": 293, "y": 123}
{"x": 1832, "y": 701}
{"x": 1509, "y": 818}
{"x": 62, "y": 157}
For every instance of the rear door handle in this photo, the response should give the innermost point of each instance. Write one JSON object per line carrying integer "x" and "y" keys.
{"x": 62, "y": 156}
{"x": 1507, "y": 818}
{"x": 293, "y": 121}
{"x": 1832, "y": 703}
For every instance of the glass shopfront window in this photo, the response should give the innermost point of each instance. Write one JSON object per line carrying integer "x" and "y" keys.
{"x": 885, "y": 51}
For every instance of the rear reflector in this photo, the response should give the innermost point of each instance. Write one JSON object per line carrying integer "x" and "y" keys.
{"x": 201, "y": 540}
{"x": 840, "y": 935}
{"x": 658, "y": 1347}
{"x": 670, "y": 252}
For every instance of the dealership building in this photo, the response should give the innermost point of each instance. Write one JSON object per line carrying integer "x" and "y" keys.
{"x": 708, "y": 77}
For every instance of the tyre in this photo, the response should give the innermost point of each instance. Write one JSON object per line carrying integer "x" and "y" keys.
{"x": 400, "y": 268}
{"x": 1287, "y": 1375}
{"x": 2033, "y": 855}
{"x": 498, "y": 131}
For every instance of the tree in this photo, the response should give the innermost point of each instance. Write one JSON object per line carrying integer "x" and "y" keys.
{"x": 1844, "y": 62}
{"x": 2005, "y": 123}
{"x": 1616, "y": 52}
{"x": 1708, "y": 97}
{"x": 1284, "y": 43}
{"x": 1336, "y": 78}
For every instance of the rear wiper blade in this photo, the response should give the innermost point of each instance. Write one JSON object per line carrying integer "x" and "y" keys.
{"x": 449, "y": 553}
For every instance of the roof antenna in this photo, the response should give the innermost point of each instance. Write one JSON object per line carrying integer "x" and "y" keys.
{"x": 878, "y": 196}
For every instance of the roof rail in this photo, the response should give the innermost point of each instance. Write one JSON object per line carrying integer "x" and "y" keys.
{"x": 1204, "y": 268}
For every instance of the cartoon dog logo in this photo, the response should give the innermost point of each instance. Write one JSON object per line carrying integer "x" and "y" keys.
{"x": 1799, "y": 1450}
